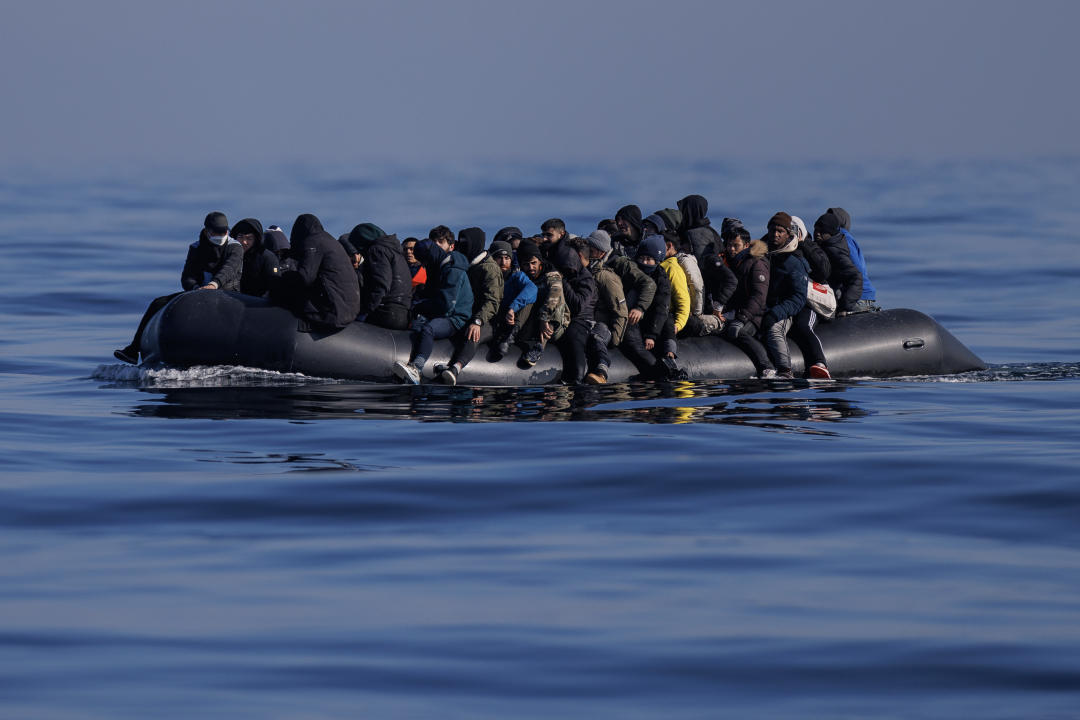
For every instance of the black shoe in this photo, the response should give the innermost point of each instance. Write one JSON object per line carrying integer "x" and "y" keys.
{"x": 128, "y": 354}
{"x": 498, "y": 352}
{"x": 532, "y": 356}
{"x": 668, "y": 369}
{"x": 449, "y": 374}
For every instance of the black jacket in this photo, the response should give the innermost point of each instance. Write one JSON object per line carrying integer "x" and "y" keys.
{"x": 652, "y": 324}
{"x": 579, "y": 285}
{"x": 751, "y": 268}
{"x": 787, "y": 287}
{"x": 695, "y": 230}
{"x": 720, "y": 282}
{"x": 387, "y": 281}
{"x": 207, "y": 262}
{"x": 323, "y": 289}
{"x": 816, "y": 260}
{"x": 261, "y": 265}
{"x": 844, "y": 274}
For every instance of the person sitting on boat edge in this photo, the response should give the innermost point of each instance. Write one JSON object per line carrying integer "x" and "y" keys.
{"x": 550, "y": 315}
{"x": 486, "y": 281}
{"x": 277, "y": 242}
{"x": 609, "y": 317}
{"x": 697, "y": 322}
{"x": 419, "y": 275}
{"x": 787, "y": 290}
{"x": 802, "y": 328}
{"x": 441, "y": 236}
{"x": 519, "y": 294}
{"x": 650, "y": 345}
{"x": 260, "y": 266}
{"x": 386, "y": 284}
{"x": 579, "y": 289}
{"x": 744, "y": 310}
{"x": 323, "y": 291}
{"x": 214, "y": 262}
{"x": 848, "y": 278}
{"x": 443, "y": 309}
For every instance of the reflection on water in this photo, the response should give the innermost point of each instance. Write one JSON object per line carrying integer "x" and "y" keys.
{"x": 777, "y": 405}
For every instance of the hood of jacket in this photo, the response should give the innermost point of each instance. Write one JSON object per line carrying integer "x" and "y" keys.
{"x": 632, "y": 215}
{"x": 508, "y": 234}
{"x": 470, "y": 243}
{"x": 365, "y": 235}
{"x": 305, "y": 226}
{"x": 843, "y": 216}
{"x": 694, "y": 209}
{"x": 566, "y": 259}
{"x": 253, "y": 226}
{"x": 431, "y": 256}
{"x": 275, "y": 240}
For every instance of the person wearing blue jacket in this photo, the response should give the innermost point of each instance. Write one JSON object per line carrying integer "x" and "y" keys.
{"x": 444, "y": 309}
{"x": 848, "y": 278}
{"x": 787, "y": 291}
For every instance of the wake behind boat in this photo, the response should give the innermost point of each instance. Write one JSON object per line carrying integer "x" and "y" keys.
{"x": 227, "y": 328}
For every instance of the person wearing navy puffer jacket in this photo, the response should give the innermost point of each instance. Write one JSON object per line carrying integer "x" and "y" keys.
{"x": 787, "y": 290}
{"x": 444, "y": 309}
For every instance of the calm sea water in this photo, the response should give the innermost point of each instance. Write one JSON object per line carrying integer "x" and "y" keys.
{"x": 224, "y": 542}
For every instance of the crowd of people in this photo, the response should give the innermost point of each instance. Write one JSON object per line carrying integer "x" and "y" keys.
{"x": 636, "y": 283}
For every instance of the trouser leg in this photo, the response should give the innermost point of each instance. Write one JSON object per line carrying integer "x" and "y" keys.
{"x": 633, "y": 347}
{"x": 572, "y": 346}
{"x": 776, "y": 343}
{"x": 802, "y": 332}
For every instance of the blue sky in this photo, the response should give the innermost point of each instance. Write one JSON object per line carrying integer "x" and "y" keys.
{"x": 252, "y": 82}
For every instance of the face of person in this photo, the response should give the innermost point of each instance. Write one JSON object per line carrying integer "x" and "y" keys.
{"x": 780, "y": 236}
{"x": 595, "y": 253}
{"x": 646, "y": 260}
{"x": 247, "y": 239}
{"x": 532, "y": 267}
{"x": 445, "y": 244}
{"x": 410, "y": 253}
{"x": 504, "y": 262}
{"x": 552, "y": 235}
{"x": 734, "y": 246}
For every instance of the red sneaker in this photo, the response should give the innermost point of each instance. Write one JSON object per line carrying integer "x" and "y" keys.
{"x": 818, "y": 371}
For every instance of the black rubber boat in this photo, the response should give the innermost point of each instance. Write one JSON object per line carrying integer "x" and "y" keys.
{"x": 224, "y": 328}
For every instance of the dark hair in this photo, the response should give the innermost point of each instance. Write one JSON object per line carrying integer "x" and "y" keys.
{"x": 579, "y": 244}
{"x": 441, "y": 232}
{"x": 609, "y": 226}
{"x": 744, "y": 234}
{"x": 553, "y": 224}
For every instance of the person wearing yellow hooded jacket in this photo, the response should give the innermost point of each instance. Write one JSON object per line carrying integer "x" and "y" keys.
{"x": 680, "y": 290}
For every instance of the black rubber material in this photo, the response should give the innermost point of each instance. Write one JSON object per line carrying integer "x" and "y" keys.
{"x": 209, "y": 327}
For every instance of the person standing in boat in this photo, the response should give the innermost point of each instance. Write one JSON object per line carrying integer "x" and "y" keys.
{"x": 744, "y": 310}
{"x": 322, "y": 291}
{"x": 486, "y": 281}
{"x": 386, "y": 284}
{"x": 848, "y": 279}
{"x": 443, "y": 309}
{"x": 787, "y": 290}
{"x": 214, "y": 262}
{"x": 802, "y": 329}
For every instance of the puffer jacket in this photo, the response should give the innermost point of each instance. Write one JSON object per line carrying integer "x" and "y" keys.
{"x": 844, "y": 275}
{"x": 680, "y": 294}
{"x": 751, "y": 268}
{"x": 447, "y": 292}
{"x": 787, "y": 285}
{"x": 487, "y": 282}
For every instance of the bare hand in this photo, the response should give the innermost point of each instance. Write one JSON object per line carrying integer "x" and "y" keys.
{"x": 635, "y": 316}
{"x": 649, "y": 343}
{"x": 209, "y": 286}
{"x": 546, "y": 331}
{"x": 473, "y": 333}
{"x": 510, "y": 316}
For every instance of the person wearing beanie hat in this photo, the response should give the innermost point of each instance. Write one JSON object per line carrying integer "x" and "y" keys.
{"x": 802, "y": 328}
{"x": 637, "y": 287}
{"x": 519, "y": 294}
{"x": 609, "y": 317}
{"x": 653, "y": 336}
{"x": 787, "y": 291}
{"x": 848, "y": 276}
{"x": 749, "y": 262}
{"x": 386, "y": 286}
{"x": 214, "y": 262}
{"x": 487, "y": 281}
{"x": 550, "y": 314}
{"x": 695, "y": 228}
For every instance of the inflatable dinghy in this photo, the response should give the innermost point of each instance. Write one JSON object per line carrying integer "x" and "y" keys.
{"x": 210, "y": 327}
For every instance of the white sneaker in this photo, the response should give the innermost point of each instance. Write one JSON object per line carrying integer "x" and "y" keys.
{"x": 768, "y": 373}
{"x": 407, "y": 372}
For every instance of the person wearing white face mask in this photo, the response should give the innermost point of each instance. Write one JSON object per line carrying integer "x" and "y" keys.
{"x": 214, "y": 262}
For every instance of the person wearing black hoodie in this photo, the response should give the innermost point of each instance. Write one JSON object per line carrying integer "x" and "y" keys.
{"x": 626, "y": 241}
{"x": 214, "y": 262}
{"x": 261, "y": 268}
{"x": 323, "y": 291}
{"x": 696, "y": 229}
{"x": 386, "y": 288}
{"x": 579, "y": 289}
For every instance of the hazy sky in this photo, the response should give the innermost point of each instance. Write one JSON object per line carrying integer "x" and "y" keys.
{"x": 123, "y": 83}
